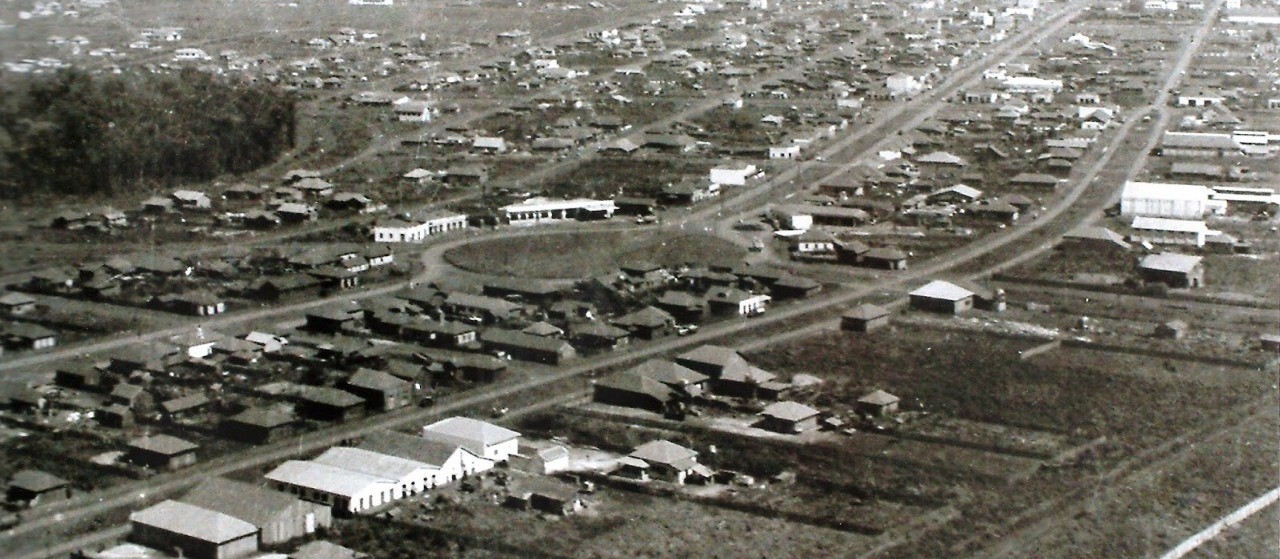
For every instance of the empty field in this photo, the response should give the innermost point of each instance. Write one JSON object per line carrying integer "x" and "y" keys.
{"x": 577, "y": 255}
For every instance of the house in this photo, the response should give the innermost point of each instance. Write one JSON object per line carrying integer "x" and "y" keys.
{"x": 663, "y": 460}
{"x": 732, "y": 176}
{"x": 412, "y": 111}
{"x": 1093, "y": 239}
{"x": 525, "y": 290}
{"x": 1035, "y": 180}
{"x": 347, "y": 492}
{"x": 451, "y": 461}
{"x": 161, "y": 452}
{"x": 884, "y": 258}
{"x": 31, "y": 488}
{"x": 489, "y": 144}
{"x": 481, "y": 438}
{"x": 192, "y": 531}
{"x": 1178, "y": 201}
{"x": 194, "y": 303}
{"x": 294, "y": 212}
{"x": 544, "y": 495}
{"x": 333, "y": 318}
{"x": 259, "y": 425}
{"x": 730, "y": 374}
{"x": 487, "y": 310}
{"x": 648, "y": 323}
{"x": 1199, "y": 145}
{"x": 941, "y": 164}
{"x": 544, "y": 459}
{"x": 734, "y": 301}
{"x": 381, "y": 391}
{"x": 598, "y": 334}
{"x": 1200, "y": 97}
{"x": 813, "y": 241}
{"x": 197, "y": 344}
{"x": 942, "y": 297}
{"x": 279, "y": 517}
{"x": 958, "y": 194}
{"x": 81, "y": 375}
{"x": 329, "y": 404}
{"x": 17, "y": 303}
{"x": 527, "y": 347}
{"x": 191, "y": 200}
{"x": 877, "y": 404}
{"x": 26, "y": 335}
{"x": 176, "y": 408}
{"x": 865, "y": 318}
{"x": 682, "y": 380}
{"x": 1174, "y": 270}
{"x": 789, "y": 417}
{"x": 634, "y": 390}
{"x": 685, "y": 307}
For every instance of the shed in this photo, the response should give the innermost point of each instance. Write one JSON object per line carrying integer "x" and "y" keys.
{"x": 865, "y": 318}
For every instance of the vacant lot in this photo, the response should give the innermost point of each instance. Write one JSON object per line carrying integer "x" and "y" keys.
{"x": 577, "y": 255}
{"x": 1249, "y": 276}
{"x": 979, "y": 377}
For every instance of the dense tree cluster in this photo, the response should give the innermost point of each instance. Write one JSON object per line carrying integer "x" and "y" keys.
{"x": 74, "y": 133}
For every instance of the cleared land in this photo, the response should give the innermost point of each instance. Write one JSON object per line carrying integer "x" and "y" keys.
{"x": 577, "y": 255}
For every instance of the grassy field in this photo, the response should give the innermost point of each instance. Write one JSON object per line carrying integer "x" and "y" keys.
{"x": 978, "y": 377}
{"x": 576, "y": 255}
{"x": 1255, "y": 537}
{"x": 1243, "y": 275}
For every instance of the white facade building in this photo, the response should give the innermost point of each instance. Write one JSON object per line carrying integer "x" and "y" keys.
{"x": 342, "y": 489}
{"x": 731, "y": 176}
{"x": 416, "y": 229}
{"x": 1179, "y": 201}
{"x": 538, "y": 210}
{"x": 483, "y": 439}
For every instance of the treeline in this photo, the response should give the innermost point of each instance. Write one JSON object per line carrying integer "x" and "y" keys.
{"x": 73, "y": 133}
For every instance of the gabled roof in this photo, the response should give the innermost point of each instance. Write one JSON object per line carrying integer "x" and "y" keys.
{"x": 410, "y": 447}
{"x": 669, "y": 373}
{"x": 376, "y": 380}
{"x": 163, "y": 444}
{"x": 370, "y": 462}
{"x": 36, "y": 481}
{"x": 667, "y": 453}
{"x": 255, "y": 504}
{"x": 325, "y": 478}
{"x": 192, "y": 521}
{"x": 475, "y": 430}
{"x": 321, "y": 549}
{"x": 1098, "y": 234}
{"x": 878, "y": 398}
{"x": 938, "y": 289}
{"x": 789, "y": 411}
{"x": 1170, "y": 262}
{"x": 648, "y": 317}
{"x": 632, "y": 381}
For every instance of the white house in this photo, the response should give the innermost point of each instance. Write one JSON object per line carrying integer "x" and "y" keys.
{"x": 538, "y": 210}
{"x": 342, "y": 489}
{"x": 484, "y": 439}
{"x": 732, "y": 176}
{"x": 784, "y": 152}
{"x": 1180, "y": 201}
{"x": 416, "y": 228}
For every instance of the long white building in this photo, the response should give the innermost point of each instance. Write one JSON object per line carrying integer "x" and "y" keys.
{"x": 539, "y": 210}
{"x": 1178, "y": 201}
{"x": 416, "y": 228}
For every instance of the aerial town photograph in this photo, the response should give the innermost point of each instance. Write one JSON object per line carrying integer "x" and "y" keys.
{"x": 640, "y": 279}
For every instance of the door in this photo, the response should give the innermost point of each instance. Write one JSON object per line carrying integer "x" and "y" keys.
{"x": 310, "y": 523}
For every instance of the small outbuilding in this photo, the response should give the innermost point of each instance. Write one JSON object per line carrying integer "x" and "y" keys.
{"x": 865, "y": 318}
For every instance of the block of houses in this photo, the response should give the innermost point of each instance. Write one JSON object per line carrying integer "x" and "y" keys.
{"x": 481, "y": 438}
{"x": 192, "y": 531}
{"x": 877, "y": 404}
{"x": 941, "y": 297}
{"x": 663, "y": 460}
{"x": 161, "y": 452}
{"x": 32, "y": 488}
{"x": 329, "y": 404}
{"x": 279, "y": 517}
{"x": 345, "y": 491}
{"x": 259, "y": 425}
{"x": 865, "y": 318}
{"x": 451, "y": 461}
{"x": 382, "y": 391}
{"x": 1174, "y": 270}
{"x": 789, "y": 417}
